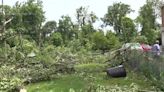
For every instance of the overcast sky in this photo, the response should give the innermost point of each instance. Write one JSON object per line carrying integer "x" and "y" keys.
{"x": 54, "y": 9}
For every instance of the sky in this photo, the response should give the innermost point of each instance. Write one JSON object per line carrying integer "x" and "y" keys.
{"x": 54, "y": 9}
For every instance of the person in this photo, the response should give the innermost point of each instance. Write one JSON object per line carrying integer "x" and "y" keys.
{"x": 156, "y": 49}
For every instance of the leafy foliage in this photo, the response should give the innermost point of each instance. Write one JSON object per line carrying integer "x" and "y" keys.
{"x": 65, "y": 28}
{"x": 9, "y": 84}
{"x": 32, "y": 52}
{"x": 140, "y": 39}
{"x": 114, "y": 16}
{"x": 128, "y": 30}
{"x": 146, "y": 64}
{"x": 100, "y": 41}
{"x": 113, "y": 40}
{"x": 85, "y": 18}
{"x": 57, "y": 39}
{"x": 147, "y": 19}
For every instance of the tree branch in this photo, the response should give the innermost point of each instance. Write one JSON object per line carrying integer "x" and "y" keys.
{"x": 8, "y": 20}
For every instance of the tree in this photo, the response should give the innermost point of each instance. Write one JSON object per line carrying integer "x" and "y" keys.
{"x": 100, "y": 41}
{"x": 48, "y": 28}
{"x": 156, "y": 5}
{"x": 56, "y": 39}
{"x": 105, "y": 42}
{"x": 85, "y": 21}
{"x": 87, "y": 30}
{"x": 32, "y": 18}
{"x": 113, "y": 40}
{"x": 114, "y": 16}
{"x": 66, "y": 28}
{"x": 85, "y": 18}
{"x": 5, "y": 18}
{"x": 147, "y": 20}
{"x": 128, "y": 29}
{"x": 140, "y": 39}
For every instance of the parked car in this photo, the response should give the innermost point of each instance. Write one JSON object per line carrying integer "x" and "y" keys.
{"x": 137, "y": 46}
{"x": 132, "y": 46}
{"x": 146, "y": 47}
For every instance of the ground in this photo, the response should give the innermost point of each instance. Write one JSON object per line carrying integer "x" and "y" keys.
{"x": 81, "y": 81}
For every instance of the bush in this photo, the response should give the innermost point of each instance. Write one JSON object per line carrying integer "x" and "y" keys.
{"x": 47, "y": 62}
{"x": 56, "y": 38}
{"x": 9, "y": 84}
{"x": 102, "y": 42}
{"x": 146, "y": 64}
{"x": 75, "y": 45}
{"x": 14, "y": 41}
{"x": 140, "y": 39}
{"x": 113, "y": 40}
{"x": 8, "y": 79}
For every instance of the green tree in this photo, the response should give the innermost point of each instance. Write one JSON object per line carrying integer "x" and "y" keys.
{"x": 65, "y": 27}
{"x": 147, "y": 20}
{"x": 128, "y": 29}
{"x": 113, "y": 40}
{"x": 114, "y": 16}
{"x": 156, "y": 5}
{"x": 56, "y": 39}
{"x": 100, "y": 41}
{"x": 16, "y": 23}
{"x": 5, "y": 18}
{"x": 32, "y": 18}
{"x": 48, "y": 29}
{"x": 87, "y": 30}
{"x": 85, "y": 18}
{"x": 140, "y": 39}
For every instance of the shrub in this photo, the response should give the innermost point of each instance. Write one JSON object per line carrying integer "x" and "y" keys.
{"x": 100, "y": 41}
{"x": 140, "y": 39}
{"x": 146, "y": 64}
{"x": 57, "y": 39}
{"x": 13, "y": 41}
{"x": 75, "y": 45}
{"x": 113, "y": 41}
{"x": 9, "y": 84}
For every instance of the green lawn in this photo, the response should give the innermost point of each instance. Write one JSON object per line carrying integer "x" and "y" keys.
{"x": 79, "y": 82}
{"x": 62, "y": 84}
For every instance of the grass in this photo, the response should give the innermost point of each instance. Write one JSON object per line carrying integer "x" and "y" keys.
{"x": 62, "y": 84}
{"x": 80, "y": 81}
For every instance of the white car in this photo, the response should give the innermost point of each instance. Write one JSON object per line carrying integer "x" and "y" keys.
{"x": 132, "y": 46}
